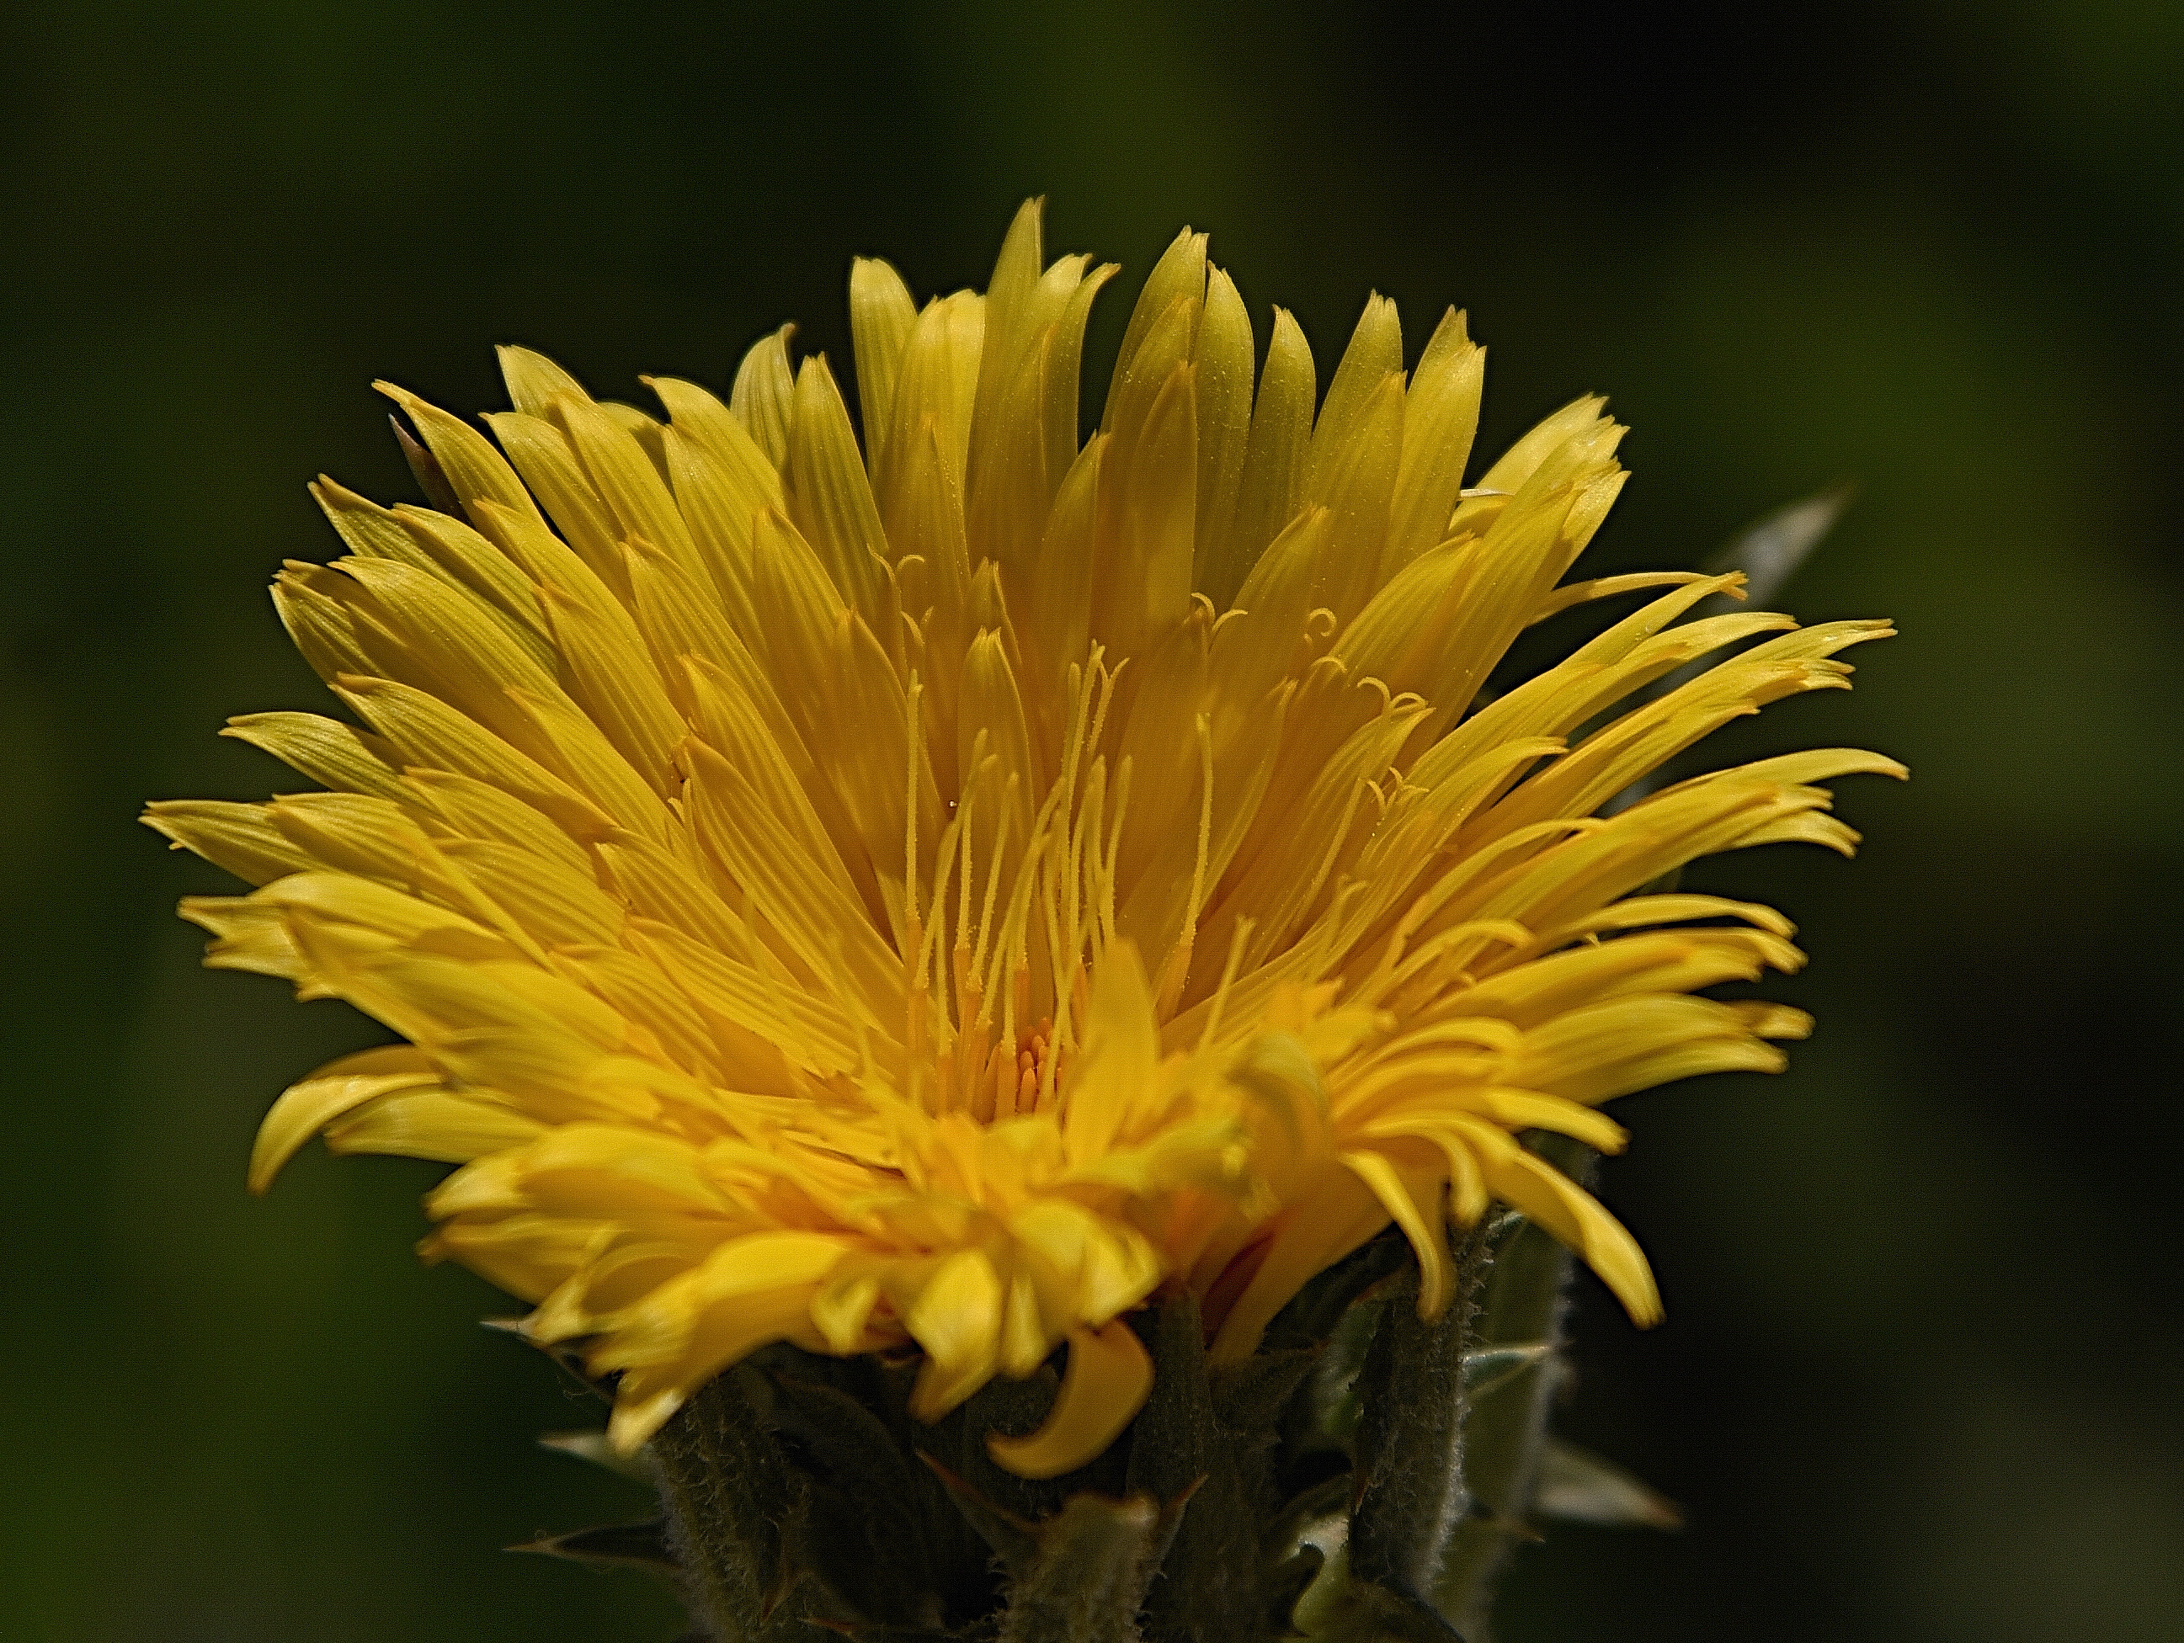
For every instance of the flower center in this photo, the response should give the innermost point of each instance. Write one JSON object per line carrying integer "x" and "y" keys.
{"x": 999, "y": 1077}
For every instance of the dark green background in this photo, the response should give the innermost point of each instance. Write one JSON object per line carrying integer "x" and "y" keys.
{"x": 1920, "y": 1377}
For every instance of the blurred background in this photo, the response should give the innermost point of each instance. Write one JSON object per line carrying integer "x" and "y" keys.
{"x": 1921, "y": 1375}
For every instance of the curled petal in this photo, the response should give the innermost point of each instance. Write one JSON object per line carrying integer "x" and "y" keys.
{"x": 1105, "y": 1385}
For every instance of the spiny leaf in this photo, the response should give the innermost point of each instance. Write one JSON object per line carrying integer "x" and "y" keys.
{"x": 1579, "y": 1486}
{"x": 1250, "y": 1396}
{"x": 1173, "y": 1440}
{"x": 1489, "y": 1367}
{"x": 1505, "y": 1428}
{"x": 1327, "y": 1413}
{"x": 594, "y": 1447}
{"x": 1015, "y": 1540}
{"x": 839, "y": 1432}
{"x": 730, "y": 1496}
{"x": 860, "y": 1532}
{"x": 867, "y": 1562}
{"x": 1773, "y": 546}
{"x": 1095, "y": 1557}
{"x": 1411, "y": 1490}
{"x": 1180, "y": 1453}
{"x": 565, "y": 1356}
{"x": 631, "y": 1545}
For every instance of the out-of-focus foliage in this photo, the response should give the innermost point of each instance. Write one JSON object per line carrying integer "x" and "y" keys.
{"x": 1920, "y": 1375}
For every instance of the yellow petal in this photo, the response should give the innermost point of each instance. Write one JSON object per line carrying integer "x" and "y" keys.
{"x": 330, "y": 753}
{"x": 336, "y": 1088}
{"x": 1575, "y": 1217}
{"x": 239, "y": 837}
{"x": 1399, "y": 1192}
{"x": 1106, "y": 1383}
{"x": 881, "y": 314}
{"x": 764, "y": 386}
{"x": 957, "y": 1319}
{"x": 431, "y": 1123}
{"x": 943, "y": 893}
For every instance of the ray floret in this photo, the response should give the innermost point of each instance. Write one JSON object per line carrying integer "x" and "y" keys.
{"x": 938, "y": 890}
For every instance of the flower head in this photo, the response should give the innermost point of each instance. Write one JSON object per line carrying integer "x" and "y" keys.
{"x": 937, "y": 894}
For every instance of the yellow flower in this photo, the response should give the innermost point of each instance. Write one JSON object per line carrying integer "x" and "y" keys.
{"x": 943, "y": 894}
